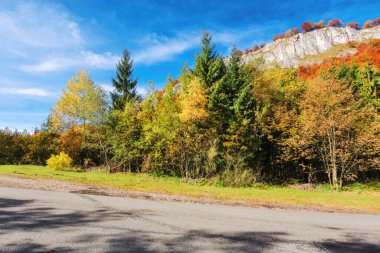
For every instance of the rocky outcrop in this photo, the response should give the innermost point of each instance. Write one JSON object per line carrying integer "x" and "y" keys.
{"x": 294, "y": 50}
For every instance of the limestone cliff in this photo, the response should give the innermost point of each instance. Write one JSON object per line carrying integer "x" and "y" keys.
{"x": 300, "y": 48}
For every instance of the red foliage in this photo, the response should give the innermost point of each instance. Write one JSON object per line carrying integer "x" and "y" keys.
{"x": 367, "y": 24}
{"x": 367, "y": 54}
{"x": 262, "y": 45}
{"x": 307, "y": 27}
{"x": 376, "y": 22}
{"x": 354, "y": 25}
{"x": 251, "y": 50}
{"x": 291, "y": 32}
{"x": 278, "y": 36}
{"x": 335, "y": 23}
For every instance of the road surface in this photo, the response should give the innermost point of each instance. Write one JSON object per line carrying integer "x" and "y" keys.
{"x": 43, "y": 221}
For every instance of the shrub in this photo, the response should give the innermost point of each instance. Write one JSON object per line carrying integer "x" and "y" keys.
{"x": 291, "y": 32}
{"x": 376, "y": 22}
{"x": 59, "y": 162}
{"x": 367, "y": 24}
{"x": 307, "y": 27}
{"x": 335, "y": 23}
{"x": 238, "y": 177}
{"x": 354, "y": 25}
{"x": 237, "y": 174}
{"x": 320, "y": 25}
{"x": 278, "y": 36}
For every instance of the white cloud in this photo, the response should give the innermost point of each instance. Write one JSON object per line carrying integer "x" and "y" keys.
{"x": 39, "y": 26}
{"x": 162, "y": 49}
{"x": 84, "y": 59}
{"x": 141, "y": 91}
{"x": 25, "y": 91}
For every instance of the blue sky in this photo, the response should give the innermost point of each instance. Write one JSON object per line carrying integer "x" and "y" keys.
{"x": 43, "y": 43}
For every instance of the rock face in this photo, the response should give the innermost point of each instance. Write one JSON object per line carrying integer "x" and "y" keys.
{"x": 292, "y": 51}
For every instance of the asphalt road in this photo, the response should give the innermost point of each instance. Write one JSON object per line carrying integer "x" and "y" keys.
{"x": 42, "y": 221}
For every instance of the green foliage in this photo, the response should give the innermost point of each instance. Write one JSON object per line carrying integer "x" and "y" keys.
{"x": 59, "y": 162}
{"x": 125, "y": 137}
{"x": 237, "y": 176}
{"x": 240, "y": 123}
{"x": 209, "y": 67}
{"x": 124, "y": 84}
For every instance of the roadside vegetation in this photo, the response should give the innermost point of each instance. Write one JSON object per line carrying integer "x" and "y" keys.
{"x": 356, "y": 197}
{"x": 239, "y": 125}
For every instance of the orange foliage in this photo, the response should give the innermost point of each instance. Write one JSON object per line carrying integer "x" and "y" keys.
{"x": 335, "y": 23}
{"x": 291, "y": 32}
{"x": 278, "y": 36}
{"x": 367, "y": 24}
{"x": 367, "y": 53}
{"x": 376, "y": 22}
{"x": 307, "y": 27}
{"x": 354, "y": 25}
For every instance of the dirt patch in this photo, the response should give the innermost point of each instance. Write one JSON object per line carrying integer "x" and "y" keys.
{"x": 78, "y": 188}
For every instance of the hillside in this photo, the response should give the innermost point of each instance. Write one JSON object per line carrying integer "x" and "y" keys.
{"x": 312, "y": 47}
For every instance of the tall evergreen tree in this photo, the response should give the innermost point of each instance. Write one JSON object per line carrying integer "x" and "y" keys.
{"x": 209, "y": 67}
{"x": 233, "y": 103}
{"x": 227, "y": 90}
{"x": 124, "y": 84}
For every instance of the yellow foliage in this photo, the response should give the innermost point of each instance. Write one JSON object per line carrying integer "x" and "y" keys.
{"x": 194, "y": 103}
{"x": 81, "y": 103}
{"x": 60, "y": 162}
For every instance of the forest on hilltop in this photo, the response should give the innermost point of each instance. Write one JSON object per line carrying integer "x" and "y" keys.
{"x": 238, "y": 123}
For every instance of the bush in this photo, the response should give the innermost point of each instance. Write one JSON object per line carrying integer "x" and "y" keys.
{"x": 237, "y": 177}
{"x": 59, "y": 162}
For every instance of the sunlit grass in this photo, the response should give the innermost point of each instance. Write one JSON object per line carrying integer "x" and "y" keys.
{"x": 358, "y": 197}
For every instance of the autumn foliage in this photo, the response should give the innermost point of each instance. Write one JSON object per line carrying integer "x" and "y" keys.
{"x": 291, "y": 32}
{"x": 367, "y": 54}
{"x": 307, "y": 26}
{"x": 354, "y": 25}
{"x": 233, "y": 121}
{"x": 335, "y": 23}
{"x": 278, "y": 36}
{"x": 370, "y": 23}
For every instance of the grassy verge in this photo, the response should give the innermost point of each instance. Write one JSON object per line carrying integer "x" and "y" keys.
{"x": 357, "y": 197}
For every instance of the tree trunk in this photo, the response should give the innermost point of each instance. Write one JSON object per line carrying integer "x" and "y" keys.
{"x": 335, "y": 177}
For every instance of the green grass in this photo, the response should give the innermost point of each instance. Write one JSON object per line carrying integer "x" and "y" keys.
{"x": 358, "y": 197}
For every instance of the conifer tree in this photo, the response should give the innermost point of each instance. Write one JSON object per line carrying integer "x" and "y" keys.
{"x": 209, "y": 67}
{"x": 124, "y": 84}
{"x": 227, "y": 90}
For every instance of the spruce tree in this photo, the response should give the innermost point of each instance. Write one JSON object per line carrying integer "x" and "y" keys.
{"x": 209, "y": 67}
{"x": 124, "y": 84}
{"x": 227, "y": 90}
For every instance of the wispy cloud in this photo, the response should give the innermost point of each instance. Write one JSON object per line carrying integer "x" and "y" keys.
{"x": 25, "y": 91}
{"x": 38, "y": 25}
{"x": 83, "y": 59}
{"x": 155, "y": 49}
{"x": 160, "y": 48}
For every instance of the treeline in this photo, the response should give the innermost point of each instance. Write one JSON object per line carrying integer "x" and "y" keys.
{"x": 309, "y": 26}
{"x": 240, "y": 123}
